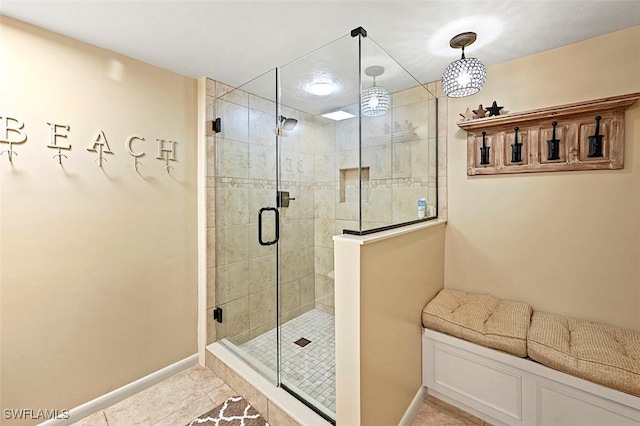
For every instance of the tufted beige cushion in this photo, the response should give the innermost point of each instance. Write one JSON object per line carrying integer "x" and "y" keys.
{"x": 481, "y": 319}
{"x": 601, "y": 353}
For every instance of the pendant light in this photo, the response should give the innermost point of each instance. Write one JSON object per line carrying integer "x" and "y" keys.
{"x": 375, "y": 99}
{"x": 466, "y": 76}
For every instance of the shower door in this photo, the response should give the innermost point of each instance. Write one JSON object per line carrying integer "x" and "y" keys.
{"x": 247, "y": 222}
{"x": 265, "y": 275}
{"x": 309, "y": 157}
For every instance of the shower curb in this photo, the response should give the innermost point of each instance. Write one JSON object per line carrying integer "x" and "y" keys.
{"x": 275, "y": 396}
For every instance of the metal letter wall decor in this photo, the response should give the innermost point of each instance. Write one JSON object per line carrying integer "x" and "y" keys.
{"x": 12, "y": 133}
{"x": 100, "y": 141}
{"x": 53, "y": 142}
{"x": 136, "y": 163}
{"x": 166, "y": 154}
{"x": 5, "y": 129}
{"x": 580, "y": 136}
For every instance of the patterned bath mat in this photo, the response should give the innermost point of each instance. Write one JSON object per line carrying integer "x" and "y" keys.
{"x": 235, "y": 411}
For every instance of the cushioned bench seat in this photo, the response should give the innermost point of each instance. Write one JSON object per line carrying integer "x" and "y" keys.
{"x": 480, "y": 318}
{"x": 598, "y": 352}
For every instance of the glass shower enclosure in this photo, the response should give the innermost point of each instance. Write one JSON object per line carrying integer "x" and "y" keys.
{"x": 340, "y": 140}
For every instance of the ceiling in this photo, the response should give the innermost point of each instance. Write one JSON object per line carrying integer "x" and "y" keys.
{"x": 235, "y": 41}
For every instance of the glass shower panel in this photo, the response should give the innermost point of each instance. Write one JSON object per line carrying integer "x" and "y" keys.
{"x": 312, "y": 158}
{"x": 398, "y": 143}
{"x": 340, "y": 140}
{"x": 246, "y": 214}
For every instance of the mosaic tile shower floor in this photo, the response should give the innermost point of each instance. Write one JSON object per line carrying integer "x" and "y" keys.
{"x": 310, "y": 369}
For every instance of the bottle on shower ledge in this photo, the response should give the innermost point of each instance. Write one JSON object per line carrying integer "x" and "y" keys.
{"x": 422, "y": 208}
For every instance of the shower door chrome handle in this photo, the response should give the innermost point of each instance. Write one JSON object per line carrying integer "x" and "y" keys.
{"x": 277, "y": 217}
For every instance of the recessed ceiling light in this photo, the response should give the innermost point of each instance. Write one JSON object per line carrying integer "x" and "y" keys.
{"x": 321, "y": 88}
{"x": 338, "y": 115}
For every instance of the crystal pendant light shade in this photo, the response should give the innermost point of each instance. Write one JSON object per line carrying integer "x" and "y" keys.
{"x": 375, "y": 101}
{"x": 466, "y": 76}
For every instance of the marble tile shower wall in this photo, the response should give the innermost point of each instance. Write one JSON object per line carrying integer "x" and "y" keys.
{"x": 399, "y": 159}
{"x": 296, "y": 234}
{"x": 241, "y": 180}
{"x": 325, "y": 196}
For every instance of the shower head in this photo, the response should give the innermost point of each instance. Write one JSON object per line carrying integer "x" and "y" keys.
{"x": 288, "y": 123}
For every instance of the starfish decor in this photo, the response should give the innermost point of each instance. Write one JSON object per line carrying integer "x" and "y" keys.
{"x": 494, "y": 109}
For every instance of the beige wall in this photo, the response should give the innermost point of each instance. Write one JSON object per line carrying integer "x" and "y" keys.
{"x": 98, "y": 266}
{"x": 385, "y": 284}
{"x": 565, "y": 242}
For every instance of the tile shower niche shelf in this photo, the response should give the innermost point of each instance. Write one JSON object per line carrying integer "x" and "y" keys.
{"x": 583, "y": 142}
{"x": 351, "y": 183}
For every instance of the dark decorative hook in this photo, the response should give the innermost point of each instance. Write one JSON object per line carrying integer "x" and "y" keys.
{"x": 553, "y": 151}
{"x": 595, "y": 141}
{"x": 516, "y": 148}
{"x": 484, "y": 151}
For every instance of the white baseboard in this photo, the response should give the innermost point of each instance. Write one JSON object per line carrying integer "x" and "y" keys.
{"x": 117, "y": 395}
{"x": 414, "y": 407}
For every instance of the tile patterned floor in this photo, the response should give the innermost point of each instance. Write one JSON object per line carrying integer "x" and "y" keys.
{"x": 174, "y": 401}
{"x": 181, "y": 398}
{"x": 309, "y": 370}
{"x": 435, "y": 412}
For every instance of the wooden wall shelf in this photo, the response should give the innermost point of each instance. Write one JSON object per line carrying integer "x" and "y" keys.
{"x": 575, "y": 128}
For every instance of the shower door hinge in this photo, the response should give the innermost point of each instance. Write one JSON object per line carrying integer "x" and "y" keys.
{"x": 217, "y": 314}
{"x": 214, "y": 126}
{"x": 358, "y": 32}
{"x": 283, "y": 198}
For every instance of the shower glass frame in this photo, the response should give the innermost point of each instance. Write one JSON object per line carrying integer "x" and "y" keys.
{"x": 378, "y": 168}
